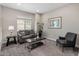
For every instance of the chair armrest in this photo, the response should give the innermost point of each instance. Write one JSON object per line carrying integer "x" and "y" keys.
{"x": 19, "y": 34}
{"x": 62, "y": 38}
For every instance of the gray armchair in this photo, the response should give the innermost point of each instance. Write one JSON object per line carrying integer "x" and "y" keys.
{"x": 23, "y": 35}
{"x": 68, "y": 41}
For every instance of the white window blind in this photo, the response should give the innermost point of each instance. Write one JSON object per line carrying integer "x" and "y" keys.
{"x": 28, "y": 24}
{"x": 24, "y": 24}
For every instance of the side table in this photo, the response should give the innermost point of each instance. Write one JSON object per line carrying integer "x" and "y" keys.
{"x": 9, "y": 37}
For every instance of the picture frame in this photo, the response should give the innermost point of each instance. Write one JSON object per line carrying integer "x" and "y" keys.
{"x": 55, "y": 23}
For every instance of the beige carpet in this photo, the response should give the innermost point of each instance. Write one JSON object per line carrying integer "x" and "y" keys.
{"x": 49, "y": 49}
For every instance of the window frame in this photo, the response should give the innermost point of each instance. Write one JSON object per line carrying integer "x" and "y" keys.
{"x": 24, "y": 19}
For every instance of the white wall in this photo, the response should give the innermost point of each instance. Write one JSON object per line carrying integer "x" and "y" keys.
{"x": 10, "y": 18}
{"x": 0, "y": 27}
{"x": 70, "y": 21}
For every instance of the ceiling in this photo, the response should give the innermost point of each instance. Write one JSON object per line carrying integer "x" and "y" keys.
{"x": 34, "y": 7}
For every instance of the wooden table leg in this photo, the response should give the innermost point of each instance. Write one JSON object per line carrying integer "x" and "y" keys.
{"x": 15, "y": 40}
{"x": 7, "y": 41}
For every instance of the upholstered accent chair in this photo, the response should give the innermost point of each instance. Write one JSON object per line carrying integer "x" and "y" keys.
{"x": 68, "y": 41}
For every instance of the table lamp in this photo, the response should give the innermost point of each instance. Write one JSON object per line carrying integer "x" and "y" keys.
{"x": 11, "y": 28}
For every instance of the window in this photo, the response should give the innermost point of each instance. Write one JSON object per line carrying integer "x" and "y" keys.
{"x": 28, "y": 24}
{"x": 23, "y": 24}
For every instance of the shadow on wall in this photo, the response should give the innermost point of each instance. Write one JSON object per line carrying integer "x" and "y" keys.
{"x": 77, "y": 41}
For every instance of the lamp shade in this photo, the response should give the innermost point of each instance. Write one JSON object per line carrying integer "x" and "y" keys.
{"x": 11, "y": 28}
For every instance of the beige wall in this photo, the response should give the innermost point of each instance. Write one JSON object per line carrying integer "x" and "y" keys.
{"x": 69, "y": 14}
{"x": 37, "y": 20}
{"x": 70, "y": 21}
{"x": 0, "y": 27}
{"x": 10, "y": 17}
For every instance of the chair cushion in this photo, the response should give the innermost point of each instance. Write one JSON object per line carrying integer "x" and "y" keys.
{"x": 27, "y": 32}
{"x": 31, "y": 32}
{"x": 61, "y": 41}
{"x": 22, "y": 33}
{"x": 27, "y": 36}
{"x": 70, "y": 36}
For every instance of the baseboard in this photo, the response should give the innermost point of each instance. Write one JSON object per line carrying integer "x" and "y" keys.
{"x": 51, "y": 39}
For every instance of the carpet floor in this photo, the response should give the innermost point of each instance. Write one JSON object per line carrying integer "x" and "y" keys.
{"x": 48, "y": 49}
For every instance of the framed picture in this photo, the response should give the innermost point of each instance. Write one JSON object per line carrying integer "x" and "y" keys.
{"x": 55, "y": 23}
